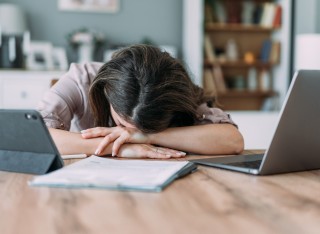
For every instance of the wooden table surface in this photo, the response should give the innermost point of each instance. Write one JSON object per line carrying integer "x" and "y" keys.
{"x": 207, "y": 201}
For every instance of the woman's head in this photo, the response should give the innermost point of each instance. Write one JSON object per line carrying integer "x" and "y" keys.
{"x": 147, "y": 88}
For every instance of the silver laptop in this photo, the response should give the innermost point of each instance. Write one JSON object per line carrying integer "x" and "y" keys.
{"x": 295, "y": 145}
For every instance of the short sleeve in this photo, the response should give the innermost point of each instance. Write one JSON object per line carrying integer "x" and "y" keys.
{"x": 207, "y": 115}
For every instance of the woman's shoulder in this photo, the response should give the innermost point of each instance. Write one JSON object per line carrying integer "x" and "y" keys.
{"x": 84, "y": 72}
{"x": 213, "y": 115}
{"x": 69, "y": 97}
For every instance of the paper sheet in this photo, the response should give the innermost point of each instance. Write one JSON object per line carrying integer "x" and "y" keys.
{"x": 73, "y": 156}
{"x": 112, "y": 173}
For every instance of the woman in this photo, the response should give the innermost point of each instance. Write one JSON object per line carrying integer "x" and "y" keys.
{"x": 142, "y": 103}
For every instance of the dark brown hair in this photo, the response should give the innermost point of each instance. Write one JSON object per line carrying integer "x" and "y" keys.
{"x": 147, "y": 87}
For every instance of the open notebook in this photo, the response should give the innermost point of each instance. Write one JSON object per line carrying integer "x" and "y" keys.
{"x": 119, "y": 174}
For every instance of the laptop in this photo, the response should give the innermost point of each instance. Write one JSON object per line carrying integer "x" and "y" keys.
{"x": 295, "y": 145}
{"x": 26, "y": 145}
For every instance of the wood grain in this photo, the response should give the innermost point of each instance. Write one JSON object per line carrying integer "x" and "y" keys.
{"x": 207, "y": 201}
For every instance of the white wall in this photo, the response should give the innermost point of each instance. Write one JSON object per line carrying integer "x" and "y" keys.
{"x": 192, "y": 37}
{"x": 281, "y": 75}
{"x": 136, "y": 20}
{"x": 307, "y": 21}
{"x": 306, "y": 16}
{"x": 256, "y": 127}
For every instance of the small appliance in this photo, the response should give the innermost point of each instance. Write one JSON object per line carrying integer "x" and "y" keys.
{"x": 14, "y": 36}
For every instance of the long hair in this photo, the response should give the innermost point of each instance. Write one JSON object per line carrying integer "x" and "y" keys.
{"x": 147, "y": 87}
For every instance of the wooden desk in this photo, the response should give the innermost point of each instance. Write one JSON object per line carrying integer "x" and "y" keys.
{"x": 208, "y": 201}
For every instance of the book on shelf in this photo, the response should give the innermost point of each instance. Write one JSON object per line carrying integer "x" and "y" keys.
{"x": 216, "y": 70}
{"x": 213, "y": 80}
{"x": 220, "y": 12}
{"x": 233, "y": 10}
{"x": 247, "y": 13}
{"x": 270, "y": 51}
{"x": 265, "y": 50}
{"x": 209, "y": 49}
{"x": 208, "y": 13}
{"x": 219, "y": 78}
{"x": 271, "y": 16}
{"x": 268, "y": 14}
{"x": 265, "y": 14}
{"x": 216, "y": 11}
{"x": 277, "y": 17}
{"x": 274, "y": 57}
{"x": 257, "y": 14}
{"x": 209, "y": 85}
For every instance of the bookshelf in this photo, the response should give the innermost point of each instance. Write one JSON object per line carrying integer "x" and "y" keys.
{"x": 223, "y": 27}
{"x": 241, "y": 52}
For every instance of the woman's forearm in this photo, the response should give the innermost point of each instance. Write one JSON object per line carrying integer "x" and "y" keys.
{"x": 201, "y": 139}
{"x": 72, "y": 143}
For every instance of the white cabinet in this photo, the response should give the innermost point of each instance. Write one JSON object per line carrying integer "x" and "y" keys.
{"x": 24, "y": 89}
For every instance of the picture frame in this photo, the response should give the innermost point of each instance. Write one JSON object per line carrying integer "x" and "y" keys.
{"x": 99, "y": 6}
{"x": 40, "y": 56}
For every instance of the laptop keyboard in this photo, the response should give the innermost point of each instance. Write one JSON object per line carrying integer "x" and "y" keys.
{"x": 251, "y": 164}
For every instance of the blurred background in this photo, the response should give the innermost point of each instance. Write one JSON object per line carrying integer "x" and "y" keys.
{"x": 158, "y": 22}
{"x": 244, "y": 52}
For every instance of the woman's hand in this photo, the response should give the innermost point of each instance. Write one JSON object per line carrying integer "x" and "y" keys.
{"x": 147, "y": 151}
{"x": 118, "y": 135}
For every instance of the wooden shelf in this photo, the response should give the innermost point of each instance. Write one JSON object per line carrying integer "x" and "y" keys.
{"x": 240, "y": 64}
{"x": 218, "y": 27}
{"x": 247, "y": 93}
{"x": 243, "y": 100}
{"x": 240, "y": 40}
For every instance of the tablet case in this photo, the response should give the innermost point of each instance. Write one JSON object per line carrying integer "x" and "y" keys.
{"x": 26, "y": 145}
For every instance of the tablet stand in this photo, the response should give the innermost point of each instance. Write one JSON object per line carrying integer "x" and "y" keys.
{"x": 26, "y": 162}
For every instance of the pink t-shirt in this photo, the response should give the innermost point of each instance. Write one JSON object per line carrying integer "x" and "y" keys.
{"x": 66, "y": 105}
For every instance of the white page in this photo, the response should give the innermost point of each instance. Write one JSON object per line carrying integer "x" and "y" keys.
{"x": 111, "y": 173}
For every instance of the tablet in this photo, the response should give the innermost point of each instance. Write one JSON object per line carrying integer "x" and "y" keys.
{"x": 26, "y": 145}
